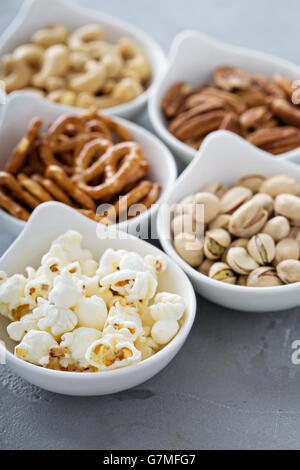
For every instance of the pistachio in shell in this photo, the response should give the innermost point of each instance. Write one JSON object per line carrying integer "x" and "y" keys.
{"x": 215, "y": 243}
{"x": 262, "y": 248}
{"x": 280, "y": 184}
{"x": 221, "y": 221}
{"x": 240, "y": 261}
{"x": 185, "y": 223}
{"x": 266, "y": 201}
{"x": 287, "y": 248}
{"x": 265, "y": 276}
{"x": 289, "y": 271}
{"x": 216, "y": 187}
{"x": 190, "y": 248}
{"x": 252, "y": 181}
{"x": 205, "y": 266}
{"x": 234, "y": 198}
{"x": 278, "y": 228}
{"x": 222, "y": 272}
{"x": 248, "y": 219}
{"x": 288, "y": 205}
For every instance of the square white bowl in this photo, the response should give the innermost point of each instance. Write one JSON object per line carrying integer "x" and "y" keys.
{"x": 21, "y": 107}
{"x": 225, "y": 157}
{"x": 49, "y": 221}
{"x": 37, "y": 14}
{"x": 193, "y": 57}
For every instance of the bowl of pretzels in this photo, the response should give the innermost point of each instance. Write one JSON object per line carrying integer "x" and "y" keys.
{"x": 109, "y": 170}
{"x": 77, "y": 57}
{"x": 211, "y": 86}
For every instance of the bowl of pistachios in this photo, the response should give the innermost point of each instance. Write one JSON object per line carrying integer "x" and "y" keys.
{"x": 232, "y": 222}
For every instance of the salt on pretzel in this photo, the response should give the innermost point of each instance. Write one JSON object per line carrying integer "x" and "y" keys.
{"x": 53, "y": 189}
{"x": 11, "y": 184}
{"x": 12, "y": 207}
{"x": 57, "y": 174}
{"x": 119, "y": 167}
{"x": 34, "y": 188}
{"x": 18, "y": 157}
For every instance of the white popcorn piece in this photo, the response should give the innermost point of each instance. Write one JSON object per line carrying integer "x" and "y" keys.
{"x": 70, "y": 242}
{"x": 77, "y": 344}
{"x": 39, "y": 287}
{"x": 147, "y": 346}
{"x": 112, "y": 352}
{"x": 110, "y": 262}
{"x": 167, "y": 306}
{"x": 35, "y": 347}
{"x": 89, "y": 267}
{"x": 12, "y": 297}
{"x": 66, "y": 292}
{"x": 56, "y": 252}
{"x": 17, "y": 329}
{"x": 133, "y": 261}
{"x": 156, "y": 264}
{"x": 91, "y": 312}
{"x": 124, "y": 320}
{"x": 51, "y": 268}
{"x": 134, "y": 285}
{"x": 3, "y": 277}
{"x": 164, "y": 330}
{"x": 54, "y": 319}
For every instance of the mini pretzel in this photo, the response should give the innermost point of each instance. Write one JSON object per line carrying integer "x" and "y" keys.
{"x": 88, "y": 153}
{"x": 34, "y": 188}
{"x": 9, "y": 182}
{"x": 53, "y": 189}
{"x": 13, "y": 208}
{"x": 57, "y": 174}
{"x": 123, "y": 135}
{"x": 18, "y": 157}
{"x": 119, "y": 167}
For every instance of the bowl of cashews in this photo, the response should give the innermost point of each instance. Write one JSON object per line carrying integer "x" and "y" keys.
{"x": 77, "y": 57}
{"x": 86, "y": 311}
{"x": 109, "y": 169}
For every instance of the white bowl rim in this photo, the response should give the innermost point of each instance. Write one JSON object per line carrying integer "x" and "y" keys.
{"x": 188, "y": 152}
{"x": 117, "y": 22}
{"x": 163, "y": 353}
{"x": 131, "y": 126}
{"x": 168, "y": 245}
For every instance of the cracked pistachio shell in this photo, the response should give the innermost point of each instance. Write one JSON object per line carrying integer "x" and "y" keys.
{"x": 262, "y": 248}
{"x": 216, "y": 187}
{"x": 295, "y": 234}
{"x": 185, "y": 223}
{"x": 278, "y": 227}
{"x": 215, "y": 243}
{"x": 280, "y": 184}
{"x": 253, "y": 182}
{"x": 248, "y": 219}
{"x": 234, "y": 198}
{"x": 288, "y": 205}
{"x": 242, "y": 280}
{"x": 266, "y": 201}
{"x": 205, "y": 266}
{"x": 240, "y": 261}
{"x": 288, "y": 248}
{"x": 222, "y": 272}
{"x": 221, "y": 221}
{"x": 289, "y": 271}
{"x": 190, "y": 248}
{"x": 264, "y": 276}
{"x": 211, "y": 205}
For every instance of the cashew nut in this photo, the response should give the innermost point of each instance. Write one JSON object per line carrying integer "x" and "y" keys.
{"x": 136, "y": 63}
{"x": 81, "y": 36}
{"x": 55, "y": 34}
{"x": 77, "y": 60}
{"x": 17, "y": 73}
{"x": 92, "y": 80}
{"x": 30, "y": 53}
{"x": 55, "y": 64}
{"x": 127, "y": 89}
{"x": 66, "y": 97}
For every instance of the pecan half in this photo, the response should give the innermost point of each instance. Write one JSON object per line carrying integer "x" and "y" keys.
{"x": 231, "y": 78}
{"x": 276, "y": 140}
{"x": 284, "y": 83}
{"x": 197, "y": 121}
{"x": 173, "y": 102}
{"x": 231, "y": 123}
{"x": 257, "y": 118}
{"x": 286, "y": 112}
{"x": 252, "y": 96}
{"x": 230, "y": 101}
{"x": 266, "y": 86}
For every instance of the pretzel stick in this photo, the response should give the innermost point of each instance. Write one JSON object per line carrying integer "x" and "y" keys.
{"x": 34, "y": 188}
{"x": 13, "y": 208}
{"x": 18, "y": 157}
{"x": 53, "y": 189}
{"x": 9, "y": 182}
{"x": 57, "y": 174}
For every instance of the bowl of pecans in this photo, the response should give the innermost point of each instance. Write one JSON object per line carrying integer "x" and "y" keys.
{"x": 77, "y": 57}
{"x": 111, "y": 171}
{"x": 251, "y": 94}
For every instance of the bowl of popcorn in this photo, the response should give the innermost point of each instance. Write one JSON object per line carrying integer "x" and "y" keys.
{"x": 232, "y": 222}
{"x": 73, "y": 56}
{"x": 86, "y": 311}
{"x": 108, "y": 169}
{"x": 246, "y": 92}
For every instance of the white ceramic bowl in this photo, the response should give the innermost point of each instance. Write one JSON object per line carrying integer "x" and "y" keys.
{"x": 22, "y": 107}
{"x": 193, "y": 57}
{"x": 36, "y": 14}
{"x": 226, "y": 157}
{"x": 51, "y": 220}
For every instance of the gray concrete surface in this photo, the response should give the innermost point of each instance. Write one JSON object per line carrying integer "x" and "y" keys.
{"x": 233, "y": 385}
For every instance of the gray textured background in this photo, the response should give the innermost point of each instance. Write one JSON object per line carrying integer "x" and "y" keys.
{"x": 233, "y": 384}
